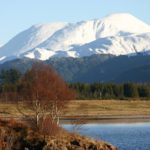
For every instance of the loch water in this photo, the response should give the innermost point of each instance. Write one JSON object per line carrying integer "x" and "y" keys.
{"x": 125, "y": 136}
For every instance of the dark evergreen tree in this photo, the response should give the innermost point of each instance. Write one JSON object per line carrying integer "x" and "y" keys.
{"x": 8, "y": 84}
{"x": 144, "y": 91}
{"x": 130, "y": 90}
{"x": 9, "y": 76}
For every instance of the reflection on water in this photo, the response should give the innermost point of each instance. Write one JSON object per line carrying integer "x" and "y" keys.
{"x": 129, "y": 136}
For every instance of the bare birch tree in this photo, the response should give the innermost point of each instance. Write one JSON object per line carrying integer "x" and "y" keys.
{"x": 44, "y": 92}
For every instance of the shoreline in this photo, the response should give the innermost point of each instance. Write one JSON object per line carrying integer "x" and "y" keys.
{"x": 102, "y": 119}
{"x": 105, "y": 119}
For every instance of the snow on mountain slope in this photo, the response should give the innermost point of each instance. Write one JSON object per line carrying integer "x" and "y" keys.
{"x": 29, "y": 38}
{"x": 116, "y": 34}
{"x": 81, "y": 33}
{"x": 71, "y": 36}
{"x": 116, "y": 45}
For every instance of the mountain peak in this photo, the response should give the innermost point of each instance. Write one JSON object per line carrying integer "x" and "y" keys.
{"x": 124, "y": 23}
{"x": 120, "y": 15}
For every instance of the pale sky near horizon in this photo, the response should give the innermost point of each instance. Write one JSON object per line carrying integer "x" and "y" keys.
{"x": 18, "y": 15}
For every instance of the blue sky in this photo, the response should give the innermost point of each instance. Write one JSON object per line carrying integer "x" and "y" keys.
{"x": 17, "y": 15}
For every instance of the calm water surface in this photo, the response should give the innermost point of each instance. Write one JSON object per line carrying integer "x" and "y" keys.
{"x": 130, "y": 136}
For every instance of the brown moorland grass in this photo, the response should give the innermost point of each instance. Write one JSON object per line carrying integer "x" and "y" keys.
{"x": 107, "y": 107}
{"x": 17, "y": 136}
{"x": 90, "y": 108}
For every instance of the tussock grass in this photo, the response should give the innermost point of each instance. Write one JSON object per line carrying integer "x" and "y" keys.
{"x": 108, "y": 107}
{"x": 89, "y": 107}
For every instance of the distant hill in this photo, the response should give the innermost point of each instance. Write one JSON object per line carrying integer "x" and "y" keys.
{"x": 118, "y": 69}
{"x": 95, "y": 68}
{"x": 139, "y": 74}
{"x": 72, "y": 68}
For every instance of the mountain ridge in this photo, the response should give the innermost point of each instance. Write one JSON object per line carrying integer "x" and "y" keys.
{"x": 126, "y": 35}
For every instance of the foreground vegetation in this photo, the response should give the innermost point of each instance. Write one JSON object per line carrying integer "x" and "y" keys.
{"x": 17, "y": 136}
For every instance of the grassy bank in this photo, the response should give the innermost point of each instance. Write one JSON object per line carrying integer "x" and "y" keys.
{"x": 108, "y": 107}
{"x": 92, "y": 108}
{"x": 18, "y": 136}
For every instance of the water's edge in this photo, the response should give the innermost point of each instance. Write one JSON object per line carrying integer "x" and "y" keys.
{"x": 125, "y": 136}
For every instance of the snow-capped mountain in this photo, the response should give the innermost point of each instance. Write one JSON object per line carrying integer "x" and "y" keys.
{"x": 30, "y": 38}
{"x": 117, "y": 34}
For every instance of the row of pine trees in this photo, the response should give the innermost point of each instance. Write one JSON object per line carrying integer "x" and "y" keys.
{"x": 9, "y": 78}
{"x": 125, "y": 91}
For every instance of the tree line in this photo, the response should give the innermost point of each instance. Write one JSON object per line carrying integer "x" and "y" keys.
{"x": 122, "y": 91}
{"x": 9, "y": 83}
